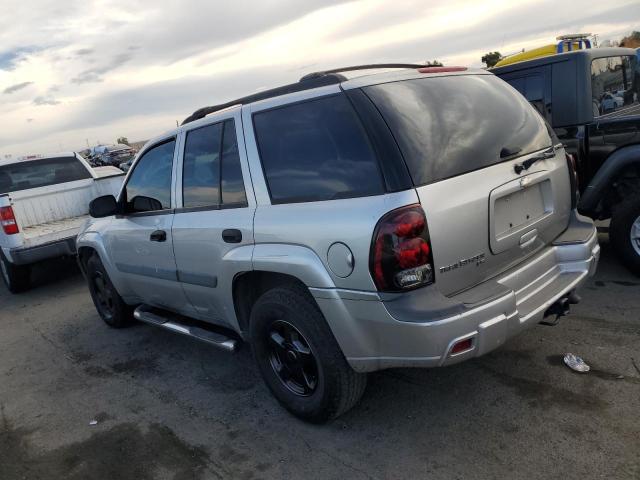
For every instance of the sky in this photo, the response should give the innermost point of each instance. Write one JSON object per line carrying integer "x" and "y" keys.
{"x": 78, "y": 72}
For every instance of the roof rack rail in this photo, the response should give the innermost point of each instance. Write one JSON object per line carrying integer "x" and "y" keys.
{"x": 309, "y": 81}
{"x": 321, "y": 81}
{"x": 313, "y": 75}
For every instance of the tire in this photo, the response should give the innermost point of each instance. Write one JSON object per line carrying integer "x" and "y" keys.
{"x": 337, "y": 387}
{"x": 106, "y": 299}
{"x": 17, "y": 278}
{"x": 624, "y": 233}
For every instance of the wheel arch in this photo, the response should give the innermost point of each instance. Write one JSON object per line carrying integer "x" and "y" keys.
{"x": 619, "y": 173}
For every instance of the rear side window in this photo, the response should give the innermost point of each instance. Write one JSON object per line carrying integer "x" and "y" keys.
{"x": 448, "y": 126}
{"x": 211, "y": 174}
{"x": 615, "y": 86}
{"x": 149, "y": 186}
{"x": 316, "y": 150}
{"x": 41, "y": 173}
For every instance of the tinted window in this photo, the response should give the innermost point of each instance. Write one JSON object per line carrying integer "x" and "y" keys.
{"x": 232, "y": 184}
{"x": 316, "y": 150}
{"x": 201, "y": 167}
{"x": 447, "y": 126}
{"x": 41, "y": 173}
{"x": 149, "y": 186}
{"x": 614, "y": 86}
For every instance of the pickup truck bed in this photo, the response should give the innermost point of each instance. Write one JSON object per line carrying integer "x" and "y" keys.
{"x": 49, "y": 217}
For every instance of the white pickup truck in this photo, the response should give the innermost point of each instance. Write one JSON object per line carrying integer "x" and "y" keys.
{"x": 43, "y": 203}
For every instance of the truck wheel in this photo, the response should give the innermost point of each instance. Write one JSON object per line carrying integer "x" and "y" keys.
{"x": 299, "y": 358}
{"x": 624, "y": 233}
{"x": 16, "y": 277}
{"x": 108, "y": 302}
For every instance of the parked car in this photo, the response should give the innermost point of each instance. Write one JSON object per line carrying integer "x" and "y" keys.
{"x": 610, "y": 102}
{"x": 115, "y": 155}
{"x": 125, "y": 166}
{"x": 43, "y": 202}
{"x": 345, "y": 224}
{"x": 604, "y": 142}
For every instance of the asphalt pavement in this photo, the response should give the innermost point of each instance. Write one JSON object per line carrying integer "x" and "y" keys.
{"x": 167, "y": 407}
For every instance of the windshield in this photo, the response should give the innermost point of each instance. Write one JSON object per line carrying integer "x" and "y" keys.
{"x": 447, "y": 126}
{"x": 41, "y": 173}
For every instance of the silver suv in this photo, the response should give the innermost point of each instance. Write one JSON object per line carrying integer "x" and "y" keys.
{"x": 353, "y": 221}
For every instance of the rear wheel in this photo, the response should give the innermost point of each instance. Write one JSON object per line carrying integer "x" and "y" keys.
{"x": 624, "y": 233}
{"x": 108, "y": 302}
{"x": 16, "y": 277}
{"x": 299, "y": 358}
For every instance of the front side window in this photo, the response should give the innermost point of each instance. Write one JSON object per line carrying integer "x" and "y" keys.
{"x": 41, "y": 173}
{"x": 614, "y": 86}
{"x": 316, "y": 150}
{"x": 211, "y": 172}
{"x": 149, "y": 186}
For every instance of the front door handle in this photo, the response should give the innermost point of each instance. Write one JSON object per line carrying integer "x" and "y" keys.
{"x": 158, "y": 236}
{"x": 232, "y": 235}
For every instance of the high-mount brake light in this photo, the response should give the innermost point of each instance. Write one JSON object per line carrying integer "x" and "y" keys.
{"x": 441, "y": 69}
{"x": 401, "y": 257}
{"x": 8, "y": 221}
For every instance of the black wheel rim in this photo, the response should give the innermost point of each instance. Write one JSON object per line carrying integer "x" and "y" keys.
{"x": 292, "y": 359}
{"x": 103, "y": 294}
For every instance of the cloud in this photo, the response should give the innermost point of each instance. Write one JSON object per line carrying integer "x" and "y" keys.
{"x": 45, "y": 101}
{"x": 94, "y": 75}
{"x": 14, "y": 88}
{"x": 132, "y": 67}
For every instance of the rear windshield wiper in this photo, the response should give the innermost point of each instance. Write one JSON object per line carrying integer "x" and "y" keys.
{"x": 526, "y": 165}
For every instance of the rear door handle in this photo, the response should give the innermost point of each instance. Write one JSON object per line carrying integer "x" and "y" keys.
{"x": 232, "y": 235}
{"x": 158, "y": 236}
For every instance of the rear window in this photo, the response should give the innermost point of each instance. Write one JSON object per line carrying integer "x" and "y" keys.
{"x": 448, "y": 126}
{"x": 614, "y": 86}
{"x": 41, "y": 173}
{"x": 316, "y": 150}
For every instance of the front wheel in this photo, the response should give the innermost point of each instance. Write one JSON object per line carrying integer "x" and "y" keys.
{"x": 108, "y": 302}
{"x": 299, "y": 358}
{"x": 17, "y": 278}
{"x": 624, "y": 233}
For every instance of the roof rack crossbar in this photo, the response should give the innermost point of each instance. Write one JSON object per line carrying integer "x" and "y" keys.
{"x": 313, "y": 75}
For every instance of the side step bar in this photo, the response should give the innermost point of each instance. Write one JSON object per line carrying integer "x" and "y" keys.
{"x": 168, "y": 321}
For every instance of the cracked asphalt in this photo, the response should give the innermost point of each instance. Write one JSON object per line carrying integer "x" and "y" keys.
{"x": 170, "y": 408}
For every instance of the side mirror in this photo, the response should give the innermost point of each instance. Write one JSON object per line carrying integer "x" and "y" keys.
{"x": 104, "y": 206}
{"x": 141, "y": 203}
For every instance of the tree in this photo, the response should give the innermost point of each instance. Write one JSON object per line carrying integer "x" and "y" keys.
{"x": 433, "y": 63}
{"x": 491, "y": 58}
{"x": 631, "y": 41}
{"x": 123, "y": 140}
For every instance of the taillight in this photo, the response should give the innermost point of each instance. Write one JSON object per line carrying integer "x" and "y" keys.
{"x": 442, "y": 69}
{"x": 573, "y": 179}
{"x": 8, "y": 221}
{"x": 401, "y": 257}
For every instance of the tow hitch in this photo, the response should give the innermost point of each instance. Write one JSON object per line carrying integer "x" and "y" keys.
{"x": 560, "y": 309}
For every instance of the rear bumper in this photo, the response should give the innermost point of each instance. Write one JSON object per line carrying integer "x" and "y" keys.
{"x": 58, "y": 248}
{"x": 419, "y": 329}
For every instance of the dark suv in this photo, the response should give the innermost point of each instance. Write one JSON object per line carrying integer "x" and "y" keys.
{"x": 590, "y": 97}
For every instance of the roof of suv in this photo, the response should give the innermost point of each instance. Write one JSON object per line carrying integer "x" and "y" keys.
{"x": 343, "y": 76}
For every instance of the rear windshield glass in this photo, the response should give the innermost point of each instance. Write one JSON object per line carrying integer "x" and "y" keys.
{"x": 447, "y": 126}
{"x": 41, "y": 173}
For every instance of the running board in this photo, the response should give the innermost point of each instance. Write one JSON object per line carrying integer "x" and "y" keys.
{"x": 174, "y": 323}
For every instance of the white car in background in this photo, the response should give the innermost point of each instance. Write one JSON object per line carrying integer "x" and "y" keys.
{"x": 44, "y": 201}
